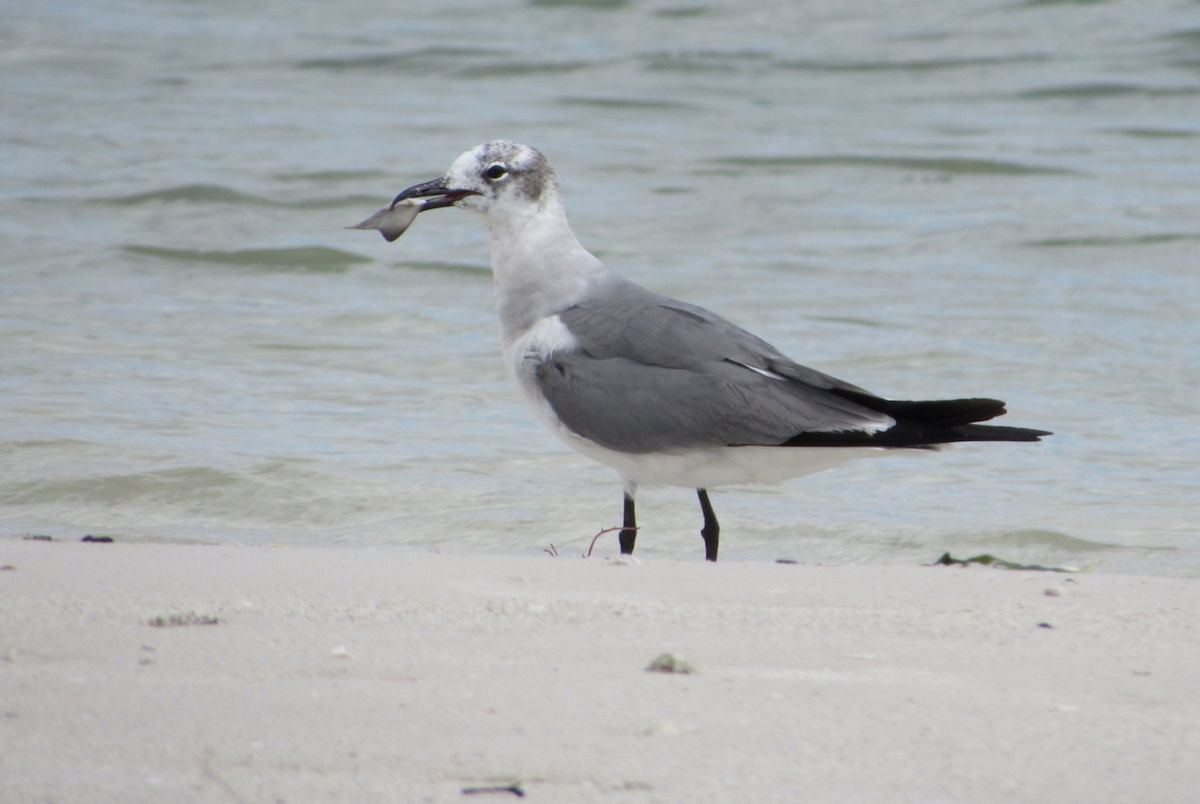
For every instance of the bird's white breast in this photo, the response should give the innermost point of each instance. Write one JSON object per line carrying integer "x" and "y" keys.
{"x": 547, "y": 336}
{"x": 522, "y": 357}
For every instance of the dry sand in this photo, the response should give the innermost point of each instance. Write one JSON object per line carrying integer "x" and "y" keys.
{"x": 385, "y": 676}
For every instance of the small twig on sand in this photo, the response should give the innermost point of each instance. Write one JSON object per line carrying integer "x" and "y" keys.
{"x": 598, "y": 535}
{"x": 191, "y": 618}
{"x": 552, "y": 551}
{"x": 514, "y": 788}
{"x": 207, "y": 771}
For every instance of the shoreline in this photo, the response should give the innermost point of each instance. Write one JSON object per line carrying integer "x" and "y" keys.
{"x": 382, "y": 675}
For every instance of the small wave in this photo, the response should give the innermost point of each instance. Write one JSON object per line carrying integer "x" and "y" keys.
{"x": 196, "y": 193}
{"x": 1111, "y": 242}
{"x": 1061, "y": 541}
{"x": 423, "y": 61}
{"x": 460, "y": 62}
{"x": 1099, "y": 91}
{"x": 858, "y": 322}
{"x": 682, "y": 12}
{"x": 954, "y": 165}
{"x": 308, "y": 258}
{"x": 703, "y": 61}
{"x": 17, "y": 447}
{"x": 600, "y": 5}
{"x": 1157, "y": 133}
{"x": 1043, "y": 3}
{"x": 1188, "y": 35}
{"x": 514, "y": 69}
{"x": 194, "y": 481}
{"x": 906, "y": 66}
{"x": 216, "y": 194}
{"x": 623, "y": 103}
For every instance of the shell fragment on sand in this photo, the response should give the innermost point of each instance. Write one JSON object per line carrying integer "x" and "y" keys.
{"x": 394, "y": 220}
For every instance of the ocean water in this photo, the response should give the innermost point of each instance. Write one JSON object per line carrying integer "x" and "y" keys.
{"x": 929, "y": 200}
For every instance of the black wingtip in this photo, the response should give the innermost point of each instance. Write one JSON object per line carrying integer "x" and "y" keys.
{"x": 991, "y": 432}
{"x": 924, "y": 423}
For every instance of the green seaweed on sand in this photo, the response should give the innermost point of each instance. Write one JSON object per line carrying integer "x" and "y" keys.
{"x": 669, "y": 663}
{"x": 989, "y": 560}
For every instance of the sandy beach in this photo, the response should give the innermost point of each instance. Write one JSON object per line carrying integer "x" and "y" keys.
{"x": 192, "y": 673}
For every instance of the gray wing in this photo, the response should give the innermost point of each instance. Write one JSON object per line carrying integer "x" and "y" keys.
{"x": 654, "y": 374}
{"x": 622, "y": 319}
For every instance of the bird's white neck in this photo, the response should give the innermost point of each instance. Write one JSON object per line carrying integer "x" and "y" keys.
{"x": 540, "y": 267}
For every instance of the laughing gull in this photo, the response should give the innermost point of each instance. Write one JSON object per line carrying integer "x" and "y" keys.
{"x": 662, "y": 391}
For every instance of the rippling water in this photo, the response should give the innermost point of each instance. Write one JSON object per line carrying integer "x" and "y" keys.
{"x": 984, "y": 198}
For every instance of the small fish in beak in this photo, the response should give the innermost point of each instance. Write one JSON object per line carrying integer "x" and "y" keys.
{"x": 394, "y": 220}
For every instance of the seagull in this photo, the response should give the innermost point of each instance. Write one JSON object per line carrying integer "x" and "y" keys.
{"x": 664, "y": 392}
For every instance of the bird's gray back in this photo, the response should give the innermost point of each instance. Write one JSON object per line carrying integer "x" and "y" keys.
{"x": 619, "y": 318}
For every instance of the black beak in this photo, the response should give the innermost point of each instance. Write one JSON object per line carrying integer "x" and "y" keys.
{"x": 436, "y": 191}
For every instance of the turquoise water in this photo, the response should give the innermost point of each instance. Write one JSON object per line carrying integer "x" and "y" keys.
{"x": 929, "y": 200}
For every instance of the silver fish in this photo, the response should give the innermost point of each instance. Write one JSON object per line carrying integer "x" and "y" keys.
{"x": 394, "y": 220}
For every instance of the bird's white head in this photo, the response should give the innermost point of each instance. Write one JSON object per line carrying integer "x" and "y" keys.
{"x": 539, "y": 265}
{"x": 499, "y": 180}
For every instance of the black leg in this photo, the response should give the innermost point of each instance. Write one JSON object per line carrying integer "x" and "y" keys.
{"x": 712, "y": 529}
{"x": 629, "y": 528}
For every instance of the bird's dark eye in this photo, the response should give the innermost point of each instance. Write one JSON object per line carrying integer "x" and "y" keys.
{"x": 496, "y": 171}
